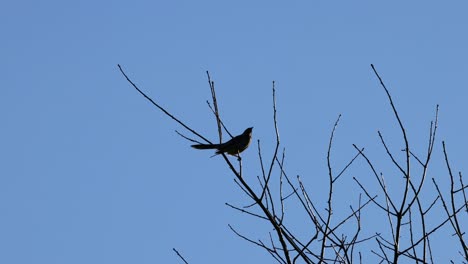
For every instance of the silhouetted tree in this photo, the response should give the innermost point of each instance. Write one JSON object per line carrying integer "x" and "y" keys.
{"x": 406, "y": 234}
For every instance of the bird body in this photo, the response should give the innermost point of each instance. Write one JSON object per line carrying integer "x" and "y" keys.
{"x": 233, "y": 147}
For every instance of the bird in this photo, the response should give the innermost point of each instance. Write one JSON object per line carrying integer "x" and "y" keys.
{"x": 233, "y": 147}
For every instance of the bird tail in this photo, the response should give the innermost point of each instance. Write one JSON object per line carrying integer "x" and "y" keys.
{"x": 205, "y": 146}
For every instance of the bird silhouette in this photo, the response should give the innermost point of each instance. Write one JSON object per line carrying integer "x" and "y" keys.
{"x": 233, "y": 147}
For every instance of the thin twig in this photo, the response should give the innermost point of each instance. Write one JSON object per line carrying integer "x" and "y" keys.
{"x": 180, "y": 256}
{"x": 161, "y": 108}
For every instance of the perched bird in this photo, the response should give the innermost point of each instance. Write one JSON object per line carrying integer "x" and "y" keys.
{"x": 233, "y": 147}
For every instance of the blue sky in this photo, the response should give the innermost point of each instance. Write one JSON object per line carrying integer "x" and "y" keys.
{"x": 92, "y": 173}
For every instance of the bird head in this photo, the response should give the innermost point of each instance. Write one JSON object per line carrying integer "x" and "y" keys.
{"x": 248, "y": 131}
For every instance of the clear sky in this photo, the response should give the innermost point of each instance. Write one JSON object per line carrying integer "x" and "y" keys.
{"x": 92, "y": 173}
